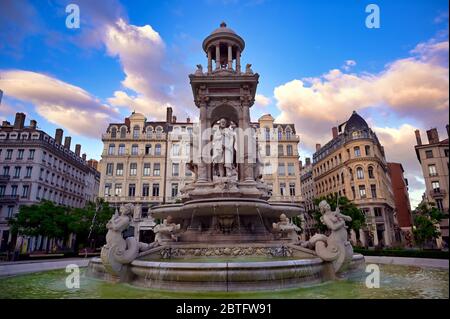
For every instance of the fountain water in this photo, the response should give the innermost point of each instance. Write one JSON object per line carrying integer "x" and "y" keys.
{"x": 236, "y": 222}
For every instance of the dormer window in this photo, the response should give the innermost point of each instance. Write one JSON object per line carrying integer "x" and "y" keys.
{"x": 113, "y": 132}
{"x": 123, "y": 132}
{"x": 136, "y": 130}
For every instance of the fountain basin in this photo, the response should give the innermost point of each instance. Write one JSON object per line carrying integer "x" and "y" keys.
{"x": 218, "y": 206}
{"x": 281, "y": 273}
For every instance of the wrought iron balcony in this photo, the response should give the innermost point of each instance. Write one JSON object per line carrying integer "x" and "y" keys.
{"x": 9, "y": 198}
{"x": 4, "y": 178}
{"x": 438, "y": 193}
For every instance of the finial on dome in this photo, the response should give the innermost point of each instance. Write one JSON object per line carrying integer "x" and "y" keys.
{"x": 223, "y": 24}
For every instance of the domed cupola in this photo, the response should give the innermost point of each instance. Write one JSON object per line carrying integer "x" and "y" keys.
{"x": 224, "y": 47}
{"x": 355, "y": 123}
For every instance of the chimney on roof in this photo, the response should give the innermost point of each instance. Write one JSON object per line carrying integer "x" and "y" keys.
{"x": 19, "y": 121}
{"x": 58, "y": 136}
{"x": 77, "y": 149}
{"x": 169, "y": 115}
{"x": 308, "y": 161}
{"x": 418, "y": 138}
{"x": 67, "y": 141}
{"x": 334, "y": 131}
{"x": 447, "y": 129}
{"x": 300, "y": 164}
{"x": 84, "y": 157}
{"x": 174, "y": 119}
{"x": 92, "y": 163}
{"x": 33, "y": 124}
{"x": 127, "y": 122}
{"x": 433, "y": 136}
{"x": 318, "y": 146}
{"x": 188, "y": 120}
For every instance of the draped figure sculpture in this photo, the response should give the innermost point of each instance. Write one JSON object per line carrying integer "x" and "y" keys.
{"x": 224, "y": 148}
{"x": 335, "y": 248}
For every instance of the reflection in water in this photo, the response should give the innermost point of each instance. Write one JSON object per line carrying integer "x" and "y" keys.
{"x": 396, "y": 282}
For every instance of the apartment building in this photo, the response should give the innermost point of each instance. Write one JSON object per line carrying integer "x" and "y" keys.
{"x": 353, "y": 164}
{"x": 36, "y": 166}
{"x": 433, "y": 158}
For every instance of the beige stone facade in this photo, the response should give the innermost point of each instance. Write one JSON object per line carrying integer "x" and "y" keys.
{"x": 144, "y": 162}
{"x": 278, "y": 148}
{"x": 353, "y": 164}
{"x": 434, "y": 159}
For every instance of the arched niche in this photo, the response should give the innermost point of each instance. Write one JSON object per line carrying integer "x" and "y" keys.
{"x": 224, "y": 111}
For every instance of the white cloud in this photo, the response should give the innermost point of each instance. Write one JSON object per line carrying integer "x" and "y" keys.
{"x": 262, "y": 101}
{"x": 149, "y": 73}
{"x": 58, "y": 102}
{"x": 414, "y": 88}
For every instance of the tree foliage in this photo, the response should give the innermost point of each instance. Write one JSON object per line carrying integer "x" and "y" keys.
{"x": 53, "y": 221}
{"x": 426, "y": 218}
{"x": 346, "y": 207}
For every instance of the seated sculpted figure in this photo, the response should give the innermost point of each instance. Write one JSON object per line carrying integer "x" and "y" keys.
{"x": 166, "y": 231}
{"x": 286, "y": 228}
{"x": 335, "y": 248}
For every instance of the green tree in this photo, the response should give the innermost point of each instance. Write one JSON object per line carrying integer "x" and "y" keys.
{"x": 45, "y": 219}
{"x": 298, "y": 222}
{"x": 89, "y": 223}
{"x": 347, "y": 208}
{"x": 426, "y": 218}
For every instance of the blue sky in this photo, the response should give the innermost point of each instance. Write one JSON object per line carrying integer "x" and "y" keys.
{"x": 316, "y": 59}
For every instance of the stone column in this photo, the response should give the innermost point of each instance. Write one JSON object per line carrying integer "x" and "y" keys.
{"x": 202, "y": 171}
{"x": 217, "y": 56}
{"x": 387, "y": 228}
{"x": 374, "y": 227}
{"x": 230, "y": 57}
{"x": 238, "y": 60}
{"x": 248, "y": 167}
{"x": 209, "y": 61}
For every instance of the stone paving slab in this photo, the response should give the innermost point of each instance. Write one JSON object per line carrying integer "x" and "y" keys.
{"x": 25, "y": 267}
{"x": 408, "y": 261}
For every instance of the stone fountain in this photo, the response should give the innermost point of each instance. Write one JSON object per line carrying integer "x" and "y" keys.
{"x": 225, "y": 235}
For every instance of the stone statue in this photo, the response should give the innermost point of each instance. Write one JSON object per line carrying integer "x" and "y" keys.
{"x": 193, "y": 168}
{"x": 259, "y": 165}
{"x": 199, "y": 70}
{"x": 286, "y": 228}
{"x": 118, "y": 251}
{"x": 248, "y": 69}
{"x": 166, "y": 232}
{"x": 230, "y": 149}
{"x": 224, "y": 149}
{"x": 335, "y": 248}
{"x": 219, "y": 146}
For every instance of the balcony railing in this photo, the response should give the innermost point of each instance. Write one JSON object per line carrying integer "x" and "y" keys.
{"x": 116, "y": 199}
{"x": 437, "y": 193}
{"x": 9, "y": 198}
{"x": 4, "y": 178}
